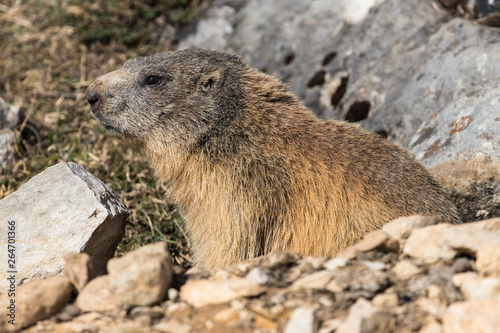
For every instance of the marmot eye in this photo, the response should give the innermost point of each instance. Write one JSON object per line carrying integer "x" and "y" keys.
{"x": 153, "y": 80}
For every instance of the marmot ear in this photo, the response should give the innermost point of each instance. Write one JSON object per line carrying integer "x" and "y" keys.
{"x": 209, "y": 80}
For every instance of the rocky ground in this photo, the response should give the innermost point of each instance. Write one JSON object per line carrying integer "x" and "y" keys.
{"x": 412, "y": 276}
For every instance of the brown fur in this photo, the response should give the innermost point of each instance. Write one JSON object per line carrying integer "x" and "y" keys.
{"x": 251, "y": 169}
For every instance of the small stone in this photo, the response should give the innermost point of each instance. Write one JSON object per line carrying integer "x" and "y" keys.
{"x": 488, "y": 259}
{"x": 318, "y": 280}
{"x": 359, "y": 311}
{"x": 335, "y": 263}
{"x": 78, "y": 269}
{"x": 360, "y": 277}
{"x": 172, "y": 326}
{"x": 475, "y": 287}
{"x": 436, "y": 294}
{"x": 141, "y": 277}
{"x": 302, "y": 320}
{"x": 405, "y": 269}
{"x": 265, "y": 323}
{"x": 402, "y": 227}
{"x": 374, "y": 241}
{"x": 478, "y": 316}
{"x": 425, "y": 244}
{"x": 227, "y": 316}
{"x": 199, "y": 293}
{"x": 37, "y": 300}
{"x": 69, "y": 312}
{"x": 173, "y": 294}
{"x": 330, "y": 326}
{"x": 468, "y": 238}
{"x": 386, "y": 300}
{"x": 432, "y": 326}
{"x": 431, "y": 307}
{"x": 96, "y": 296}
{"x": 258, "y": 276}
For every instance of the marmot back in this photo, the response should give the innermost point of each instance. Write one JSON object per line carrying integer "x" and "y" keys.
{"x": 251, "y": 169}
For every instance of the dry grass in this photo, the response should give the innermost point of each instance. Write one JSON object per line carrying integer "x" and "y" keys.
{"x": 50, "y": 51}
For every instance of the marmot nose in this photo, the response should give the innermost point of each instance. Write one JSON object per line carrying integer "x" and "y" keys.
{"x": 93, "y": 97}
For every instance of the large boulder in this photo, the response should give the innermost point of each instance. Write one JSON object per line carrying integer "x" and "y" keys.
{"x": 62, "y": 210}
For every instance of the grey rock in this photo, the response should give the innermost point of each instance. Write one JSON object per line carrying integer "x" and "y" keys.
{"x": 64, "y": 209}
{"x": 141, "y": 277}
{"x": 360, "y": 277}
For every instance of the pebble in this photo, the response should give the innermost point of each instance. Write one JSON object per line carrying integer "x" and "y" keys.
{"x": 302, "y": 320}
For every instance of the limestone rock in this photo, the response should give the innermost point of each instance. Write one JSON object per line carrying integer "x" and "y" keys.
{"x": 480, "y": 316}
{"x": 318, "y": 280}
{"x": 425, "y": 244}
{"x": 97, "y": 296}
{"x": 78, "y": 269}
{"x": 469, "y": 237}
{"x": 38, "y": 300}
{"x": 62, "y": 210}
{"x": 475, "y": 287}
{"x": 376, "y": 240}
{"x": 141, "y": 277}
{"x": 359, "y": 311}
{"x": 405, "y": 269}
{"x": 488, "y": 259}
{"x": 402, "y": 227}
{"x": 303, "y": 320}
{"x": 199, "y": 293}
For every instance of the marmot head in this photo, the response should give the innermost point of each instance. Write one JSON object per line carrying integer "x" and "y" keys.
{"x": 168, "y": 98}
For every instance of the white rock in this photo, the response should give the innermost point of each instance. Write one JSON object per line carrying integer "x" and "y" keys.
{"x": 488, "y": 259}
{"x": 405, "y": 269}
{"x": 402, "y": 227}
{"x": 425, "y": 244}
{"x": 479, "y": 316}
{"x": 302, "y": 320}
{"x": 475, "y": 287}
{"x": 318, "y": 280}
{"x": 335, "y": 263}
{"x": 358, "y": 312}
{"x": 467, "y": 238}
{"x": 258, "y": 276}
{"x": 62, "y": 210}
{"x": 199, "y": 293}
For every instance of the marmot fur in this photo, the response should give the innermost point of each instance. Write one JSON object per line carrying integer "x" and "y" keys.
{"x": 251, "y": 169}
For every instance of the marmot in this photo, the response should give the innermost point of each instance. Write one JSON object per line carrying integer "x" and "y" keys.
{"x": 250, "y": 167}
